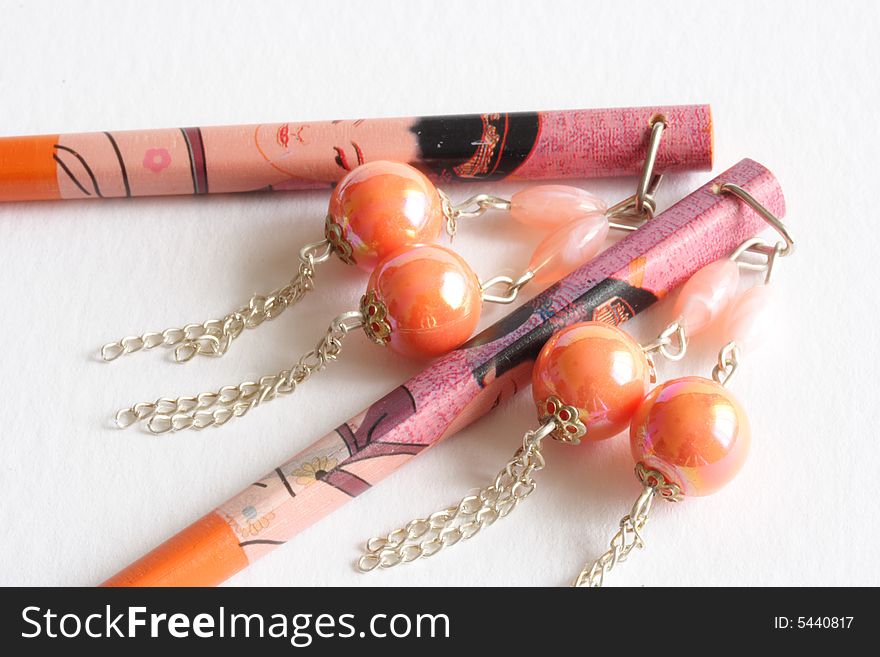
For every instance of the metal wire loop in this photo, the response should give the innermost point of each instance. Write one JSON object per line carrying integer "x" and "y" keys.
{"x": 469, "y": 209}
{"x": 644, "y": 192}
{"x": 671, "y": 343}
{"x": 628, "y": 208}
{"x": 769, "y": 217}
{"x": 641, "y": 206}
{"x": 760, "y": 247}
{"x": 480, "y": 204}
{"x": 511, "y": 287}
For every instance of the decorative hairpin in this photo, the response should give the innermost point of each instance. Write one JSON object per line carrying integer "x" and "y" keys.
{"x": 590, "y": 382}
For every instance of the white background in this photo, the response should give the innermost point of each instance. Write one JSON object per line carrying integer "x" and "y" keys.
{"x": 793, "y": 85}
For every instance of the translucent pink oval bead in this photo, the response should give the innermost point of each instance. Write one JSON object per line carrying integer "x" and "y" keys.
{"x": 747, "y": 320}
{"x": 549, "y": 206}
{"x": 706, "y": 295}
{"x": 567, "y": 248}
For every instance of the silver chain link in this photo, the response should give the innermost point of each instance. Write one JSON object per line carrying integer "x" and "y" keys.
{"x": 425, "y": 537}
{"x": 765, "y": 252}
{"x": 728, "y": 362}
{"x": 217, "y": 408}
{"x": 468, "y": 209}
{"x": 627, "y": 538}
{"x": 671, "y": 344}
{"x": 510, "y": 287}
{"x": 213, "y": 337}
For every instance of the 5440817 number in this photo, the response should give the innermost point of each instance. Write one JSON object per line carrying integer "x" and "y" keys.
{"x": 813, "y": 622}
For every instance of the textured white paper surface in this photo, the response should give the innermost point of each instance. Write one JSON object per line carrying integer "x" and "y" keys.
{"x": 792, "y": 85}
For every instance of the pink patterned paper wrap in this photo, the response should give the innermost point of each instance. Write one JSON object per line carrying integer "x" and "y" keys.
{"x": 308, "y": 155}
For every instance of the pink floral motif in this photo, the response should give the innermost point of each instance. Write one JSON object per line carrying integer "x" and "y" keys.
{"x": 156, "y": 159}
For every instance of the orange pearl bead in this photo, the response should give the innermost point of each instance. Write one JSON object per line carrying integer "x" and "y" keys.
{"x": 599, "y": 370}
{"x": 380, "y": 207}
{"x": 431, "y": 299}
{"x": 694, "y": 432}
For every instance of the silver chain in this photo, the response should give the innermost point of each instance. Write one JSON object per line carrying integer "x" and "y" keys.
{"x": 217, "y": 408}
{"x": 213, "y": 337}
{"x": 425, "y": 537}
{"x": 627, "y": 538}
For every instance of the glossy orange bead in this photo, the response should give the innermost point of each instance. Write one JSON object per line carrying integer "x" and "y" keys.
{"x": 597, "y": 368}
{"x": 380, "y": 207}
{"x": 694, "y": 432}
{"x": 432, "y": 299}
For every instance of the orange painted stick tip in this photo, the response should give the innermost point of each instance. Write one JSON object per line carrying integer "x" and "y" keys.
{"x": 204, "y": 554}
{"x": 27, "y": 168}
